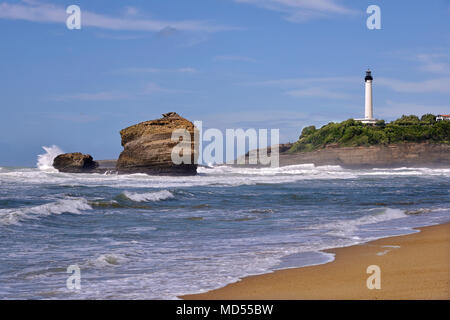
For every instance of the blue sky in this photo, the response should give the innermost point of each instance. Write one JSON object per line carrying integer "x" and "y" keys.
{"x": 231, "y": 63}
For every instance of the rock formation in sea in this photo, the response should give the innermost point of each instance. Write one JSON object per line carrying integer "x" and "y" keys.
{"x": 148, "y": 147}
{"x": 75, "y": 163}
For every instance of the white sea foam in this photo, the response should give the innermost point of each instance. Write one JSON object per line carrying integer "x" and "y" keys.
{"x": 379, "y": 216}
{"x": 217, "y": 176}
{"x": 299, "y": 169}
{"x": 45, "y": 161}
{"x": 149, "y": 196}
{"x": 16, "y": 215}
{"x": 108, "y": 260}
{"x": 310, "y": 171}
{"x": 348, "y": 227}
{"x": 404, "y": 171}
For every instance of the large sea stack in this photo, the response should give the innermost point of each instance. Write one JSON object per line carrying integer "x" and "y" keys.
{"x": 148, "y": 147}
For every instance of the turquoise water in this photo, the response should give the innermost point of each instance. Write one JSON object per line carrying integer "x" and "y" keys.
{"x": 144, "y": 237}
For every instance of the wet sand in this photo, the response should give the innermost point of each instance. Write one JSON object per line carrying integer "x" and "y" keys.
{"x": 415, "y": 266}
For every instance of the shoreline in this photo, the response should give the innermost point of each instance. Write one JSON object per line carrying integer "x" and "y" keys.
{"x": 413, "y": 266}
{"x": 395, "y": 155}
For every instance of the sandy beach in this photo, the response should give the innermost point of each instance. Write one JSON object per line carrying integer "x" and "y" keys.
{"x": 414, "y": 266}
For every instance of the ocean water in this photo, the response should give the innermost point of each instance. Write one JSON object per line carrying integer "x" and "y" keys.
{"x": 149, "y": 237}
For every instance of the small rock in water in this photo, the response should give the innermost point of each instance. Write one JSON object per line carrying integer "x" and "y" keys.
{"x": 75, "y": 163}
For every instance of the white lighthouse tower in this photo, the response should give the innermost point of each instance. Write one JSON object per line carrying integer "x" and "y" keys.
{"x": 368, "y": 116}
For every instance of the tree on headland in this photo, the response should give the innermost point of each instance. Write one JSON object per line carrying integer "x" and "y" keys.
{"x": 428, "y": 118}
{"x": 408, "y": 128}
{"x": 407, "y": 120}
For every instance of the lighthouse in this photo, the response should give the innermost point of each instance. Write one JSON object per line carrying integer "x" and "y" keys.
{"x": 369, "y": 103}
{"x": 368, "y": 115}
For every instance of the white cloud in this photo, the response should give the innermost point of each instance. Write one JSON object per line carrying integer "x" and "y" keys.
{"x": 72, "y": 117}
{"x": 318, "y": 92}
{"x": 233, "y": 58}
{"x": 392, "y": 109}
{"x": 326, "y": 87}
{"x": 116, "y": 36}
{"x": 152, "y": 88}
{"x": 302, "y": 10}
{"x": 139, "y": 70}
{"x": 295, "y": 82}
{"x": 96, "y": 96}
{"x": 131, "y": 11}
{"x": 440, "y": 85}
{"x": 157, "y": 70}
{"x": 252, "y": 119}
{"x": 434, "y": 62}
{"x": 148, "y": 89}
{"x": 187, "y": 70}
{"x": 36, "y": 11}
{"x": 155, "y": 88}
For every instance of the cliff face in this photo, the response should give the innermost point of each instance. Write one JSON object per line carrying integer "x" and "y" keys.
{"x": 395, "y": 155}
{"x": 148, "y": 147}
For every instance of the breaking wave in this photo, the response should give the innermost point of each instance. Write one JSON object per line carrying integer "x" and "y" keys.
{"x": 109, "y": 259}
{"x": 312, "y": 171}
{"x": 220, "y": 175}
{"x": 348, "y": 227}
{"x": 297, "y": 169}
{"x": 149, "y": 196}
{"x": 45, "y": 161}
{"x": 16, "y": 215}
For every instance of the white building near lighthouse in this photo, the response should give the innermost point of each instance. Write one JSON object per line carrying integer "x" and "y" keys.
{"x": 368, "y": 116}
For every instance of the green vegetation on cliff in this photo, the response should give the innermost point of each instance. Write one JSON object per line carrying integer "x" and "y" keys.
{"x": 351, "y": 133}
